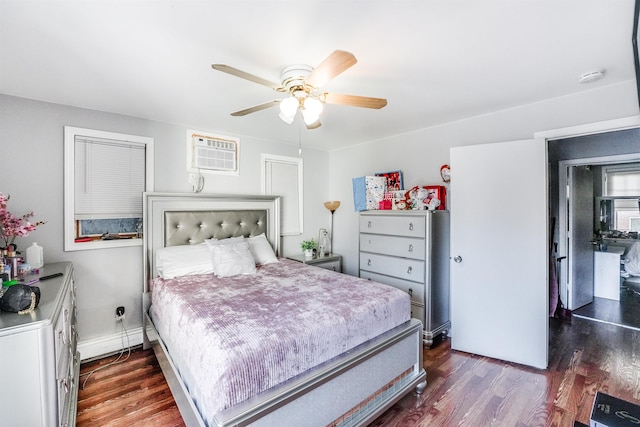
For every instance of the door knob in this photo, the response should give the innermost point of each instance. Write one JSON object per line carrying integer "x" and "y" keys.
{"x": 457, "y": 258}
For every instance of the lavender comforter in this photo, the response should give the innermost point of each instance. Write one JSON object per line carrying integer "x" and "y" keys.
{"x": 233, "y": 338}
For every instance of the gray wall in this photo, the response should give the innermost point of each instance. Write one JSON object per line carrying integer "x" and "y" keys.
{"x": 31, "y": 150}
{"x": 420, "y": 154}
{"x": 31, "y": 171}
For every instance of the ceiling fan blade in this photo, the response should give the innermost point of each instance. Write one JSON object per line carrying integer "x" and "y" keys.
{"x": 244, "y": 75}
{"x": 353, "y": 100}
{"x": 256, "y": 108}
{"x": 333, "y": 65}
{"x": 314, "y": 125}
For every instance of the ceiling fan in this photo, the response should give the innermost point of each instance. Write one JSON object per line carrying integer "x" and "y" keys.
{"x": 303, "y": 84}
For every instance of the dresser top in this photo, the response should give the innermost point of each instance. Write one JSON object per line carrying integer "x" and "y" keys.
{"x": 410, "y": 212}
{"x": 50, "y": 300}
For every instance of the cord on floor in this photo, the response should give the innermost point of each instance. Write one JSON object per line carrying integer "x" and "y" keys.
{"x": 123, "y": 334}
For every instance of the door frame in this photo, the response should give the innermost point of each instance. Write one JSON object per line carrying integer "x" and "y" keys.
{"x": 564, "y": 279}
{"x": 574, "y": 131}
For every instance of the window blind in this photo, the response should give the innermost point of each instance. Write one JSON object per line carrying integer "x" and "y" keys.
{"x": 109, "y": 178}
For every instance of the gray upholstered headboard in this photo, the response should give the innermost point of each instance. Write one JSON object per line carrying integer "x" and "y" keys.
{"x": 172, "y": 219}
{"x": 190, "y": 228}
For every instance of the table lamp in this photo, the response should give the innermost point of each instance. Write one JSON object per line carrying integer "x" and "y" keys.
{"x": 332, "y": 206}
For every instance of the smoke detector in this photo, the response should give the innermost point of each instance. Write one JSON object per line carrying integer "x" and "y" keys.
{"x": 591, "y": 76}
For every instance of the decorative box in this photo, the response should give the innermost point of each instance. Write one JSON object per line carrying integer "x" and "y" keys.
{"x": 368, "y": 192}
{"x": 439, "y": 192}
{"x": 609, "y": 411}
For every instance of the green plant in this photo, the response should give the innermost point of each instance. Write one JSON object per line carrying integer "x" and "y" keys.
{"x": 307, "y": 245}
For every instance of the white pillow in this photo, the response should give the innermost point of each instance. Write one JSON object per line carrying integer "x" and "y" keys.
{"x": 229, "y": 240}
{"x": 261, "y": 250}
{"x": 231, "y": 257}
{"x": 184, "y": 260}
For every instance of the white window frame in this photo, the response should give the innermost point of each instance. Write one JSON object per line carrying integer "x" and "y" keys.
{"x": 288, "y": 204}
{"x": 70, "y": 134}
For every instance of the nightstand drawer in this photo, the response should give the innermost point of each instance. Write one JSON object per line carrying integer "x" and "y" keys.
{"x": 330, "y": 265}
{"x": 330, "y": 262}
{"x": 408, "y": 247}
{"x": 401, "y": 268}
{"x": 417, "y": 312}
{"x": 415, "y": 290}
{"x": 410, "y": 226}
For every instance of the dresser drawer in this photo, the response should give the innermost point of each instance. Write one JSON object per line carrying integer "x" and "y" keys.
{"x": 410, "y": 226}
{"x": 401, "y": 268}
{"x": 415, "y": 290}
{"x": 63, "y": 339}
{"x": 408, "y": 247}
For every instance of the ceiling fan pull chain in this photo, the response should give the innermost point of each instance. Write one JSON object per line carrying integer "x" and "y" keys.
{"x": 300, "y": 139}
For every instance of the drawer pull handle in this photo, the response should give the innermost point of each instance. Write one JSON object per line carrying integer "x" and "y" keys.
{"x": 411, "y": 226}
{"x": 369, "y": 261}
{"x": 410, "y": 248}
{"x": 410, "y": 292}
{"x": 368, "y": 224}
{"x": 409, "y": 270}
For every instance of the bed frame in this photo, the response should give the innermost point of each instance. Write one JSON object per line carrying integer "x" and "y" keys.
{"x": 350, "y": 390}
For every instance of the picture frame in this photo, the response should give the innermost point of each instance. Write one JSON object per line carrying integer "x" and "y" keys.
{"x": 394, "y": 180}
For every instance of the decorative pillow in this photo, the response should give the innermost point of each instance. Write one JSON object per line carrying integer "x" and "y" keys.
{"x": 184, "y": 260}
{"x": 231, "y": 257}
{"x": 261, "y": 250}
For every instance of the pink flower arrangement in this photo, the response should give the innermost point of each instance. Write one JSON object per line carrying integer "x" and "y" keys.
{"x": 12, "y": 226}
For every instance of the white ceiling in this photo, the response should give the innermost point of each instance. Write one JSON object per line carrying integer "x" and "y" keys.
{"x": 435, "y": 61}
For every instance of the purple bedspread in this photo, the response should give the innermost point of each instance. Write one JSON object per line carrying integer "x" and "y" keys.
{"x": 235, "y": 337}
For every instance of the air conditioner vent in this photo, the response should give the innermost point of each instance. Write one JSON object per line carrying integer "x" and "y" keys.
{"x": 214, "y": 154}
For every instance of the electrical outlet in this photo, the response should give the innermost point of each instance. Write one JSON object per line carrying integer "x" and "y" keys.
{"x": 120, "y": 313}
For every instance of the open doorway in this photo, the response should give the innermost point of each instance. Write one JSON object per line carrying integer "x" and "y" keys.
{"x": 597, "y": 223}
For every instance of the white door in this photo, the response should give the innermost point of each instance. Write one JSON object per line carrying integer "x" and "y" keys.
{"x": 580, "y": 260}
{"x": 499, "y": 251}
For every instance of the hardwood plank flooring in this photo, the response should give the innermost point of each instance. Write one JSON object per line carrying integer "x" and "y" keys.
{"x": 625, "y": 312}
{"x": 463, "y": 389}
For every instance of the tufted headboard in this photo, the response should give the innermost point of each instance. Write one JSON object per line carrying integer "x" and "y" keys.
{"x": 172, "y": 219}
{"x": 190, "y": 228}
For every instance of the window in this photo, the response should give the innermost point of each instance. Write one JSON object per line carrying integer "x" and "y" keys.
{"x": 282, "y": 176}
{"x": 105, "y": 175}
{"x": 622, "y": 180}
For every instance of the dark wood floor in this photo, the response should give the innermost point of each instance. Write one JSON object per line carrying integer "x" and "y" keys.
{"x": 463, "y": 389}
{"x": 624, "y": 312}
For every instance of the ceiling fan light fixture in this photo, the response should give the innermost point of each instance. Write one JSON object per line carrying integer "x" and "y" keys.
{"x": 287, "y": 119}
{"x": 288, "y": 109}
{"x": 289, "y": 106}
{"x": 313, "y": 105}
{"x": 310, "y": 117}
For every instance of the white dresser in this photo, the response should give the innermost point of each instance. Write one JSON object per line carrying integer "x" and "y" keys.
{"x": 39, "y": 361}
{"x": 410, "y": 250}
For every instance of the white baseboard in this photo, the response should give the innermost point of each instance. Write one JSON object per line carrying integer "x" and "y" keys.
{"x": 108, "y": 344}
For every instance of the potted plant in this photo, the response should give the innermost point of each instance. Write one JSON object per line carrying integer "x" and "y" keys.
{"x": 307, "y": 247}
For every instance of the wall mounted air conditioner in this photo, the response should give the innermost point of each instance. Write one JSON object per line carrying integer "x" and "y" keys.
{"x": 212, "y": 153}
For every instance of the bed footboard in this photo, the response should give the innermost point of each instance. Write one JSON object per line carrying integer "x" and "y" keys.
{"x": 350, "y": 390}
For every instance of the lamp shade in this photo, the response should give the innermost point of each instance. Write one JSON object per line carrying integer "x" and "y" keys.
{"x": 332, "y": 205}
{"x": 313, "y": 106}
{"x": 288, "y": 109}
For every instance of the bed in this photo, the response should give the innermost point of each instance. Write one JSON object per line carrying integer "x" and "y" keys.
{"x": 302, "y": 373}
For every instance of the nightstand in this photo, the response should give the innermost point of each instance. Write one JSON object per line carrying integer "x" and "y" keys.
{"x": 329, "y": 262}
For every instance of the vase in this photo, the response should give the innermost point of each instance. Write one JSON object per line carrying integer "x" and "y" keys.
{"x": 308, "y": 253}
